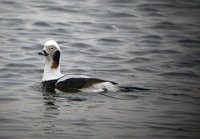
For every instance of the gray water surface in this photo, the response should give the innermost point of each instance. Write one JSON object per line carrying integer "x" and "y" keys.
{"x": 150, "y": 44}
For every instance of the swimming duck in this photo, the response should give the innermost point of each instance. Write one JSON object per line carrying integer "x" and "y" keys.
{"x": 53, "y": 79}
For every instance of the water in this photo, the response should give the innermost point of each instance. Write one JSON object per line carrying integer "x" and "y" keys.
{"x": 151, "y": 44}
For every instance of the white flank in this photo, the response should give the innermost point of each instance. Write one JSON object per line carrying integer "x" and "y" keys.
{"x": 101, "y": 87}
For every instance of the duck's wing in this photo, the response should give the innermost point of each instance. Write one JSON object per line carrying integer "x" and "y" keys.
{"x": 76, "y": 83}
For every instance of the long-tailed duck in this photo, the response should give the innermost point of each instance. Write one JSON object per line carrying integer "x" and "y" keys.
{"x": 53, "y": 79}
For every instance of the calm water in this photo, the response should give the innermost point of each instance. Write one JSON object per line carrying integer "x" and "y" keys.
{"x": 151, "y": 44}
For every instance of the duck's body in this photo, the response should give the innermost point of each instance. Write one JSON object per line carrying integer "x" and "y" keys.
{"x": 53, "y": 79}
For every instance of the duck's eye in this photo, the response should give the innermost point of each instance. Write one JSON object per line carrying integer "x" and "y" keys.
{"x": 51, "y": 48}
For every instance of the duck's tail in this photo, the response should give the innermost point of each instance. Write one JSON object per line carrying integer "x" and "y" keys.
{"x": 130, "y": 88}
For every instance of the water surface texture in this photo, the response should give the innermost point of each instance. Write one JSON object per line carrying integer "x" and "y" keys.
{"x": 151, "y": 44}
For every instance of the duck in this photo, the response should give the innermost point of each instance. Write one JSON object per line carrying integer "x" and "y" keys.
{"x": 53, "y": 80}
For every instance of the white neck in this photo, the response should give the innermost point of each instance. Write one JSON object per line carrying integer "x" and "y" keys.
{"x": 51, "y": 73}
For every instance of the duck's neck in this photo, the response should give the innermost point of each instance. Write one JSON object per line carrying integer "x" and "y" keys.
{"x": 51, "y": 72}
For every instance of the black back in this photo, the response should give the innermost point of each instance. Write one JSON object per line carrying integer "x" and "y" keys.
{"x": 74, "y": 84}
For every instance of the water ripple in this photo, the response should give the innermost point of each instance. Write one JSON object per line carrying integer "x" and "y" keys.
{"x": 149, "y": 44}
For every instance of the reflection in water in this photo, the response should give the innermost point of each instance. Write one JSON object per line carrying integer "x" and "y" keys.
{"x": 51, "y": 112}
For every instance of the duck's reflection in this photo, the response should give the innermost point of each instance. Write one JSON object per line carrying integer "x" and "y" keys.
{"x": 50, "y": 113}
{"x": 50, "y": 104}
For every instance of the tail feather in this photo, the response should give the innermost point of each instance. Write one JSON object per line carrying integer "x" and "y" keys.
{"x": 128, "y": 89}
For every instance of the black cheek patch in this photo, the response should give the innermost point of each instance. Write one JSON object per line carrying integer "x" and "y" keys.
{"x": 56, "y": 60}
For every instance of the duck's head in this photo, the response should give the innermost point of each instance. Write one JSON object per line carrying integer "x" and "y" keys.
{"x": 50, "y": 48}
{"x": 51, "y": 51}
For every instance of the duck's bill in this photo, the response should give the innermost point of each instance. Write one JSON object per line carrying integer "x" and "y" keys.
{"x": 40, "y": 53}
{"x": 43, "y": 53}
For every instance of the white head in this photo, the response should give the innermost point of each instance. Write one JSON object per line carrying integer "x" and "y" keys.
{"x": 52, "y": 43}
{"x": 51, "y": 51}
